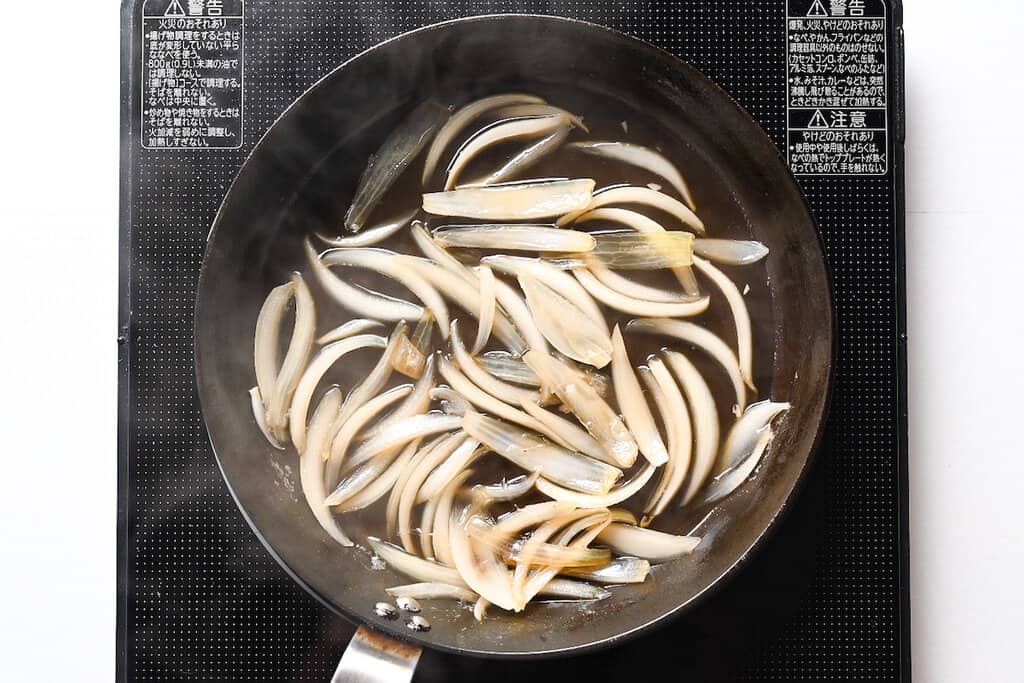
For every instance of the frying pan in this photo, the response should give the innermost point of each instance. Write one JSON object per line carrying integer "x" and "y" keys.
{"x": 300, "y": 175}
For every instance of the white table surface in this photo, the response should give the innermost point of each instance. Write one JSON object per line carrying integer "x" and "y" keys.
{"x": 58, "y": 216}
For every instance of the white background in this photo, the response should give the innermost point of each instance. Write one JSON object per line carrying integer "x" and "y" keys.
{"x": 58, "y": 225}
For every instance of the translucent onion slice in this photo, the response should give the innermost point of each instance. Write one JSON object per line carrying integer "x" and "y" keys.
{"x": 552, "y": 277}
{"x": 528, "y": 516}
{"x": 268, "y": 333}
{"x": 647, "y": 543}
{"x": 589, "y": 408}
{"x": 395, "y": 499}
{"x": 296, "y": 357}
{"x": 495, "y": 387}
{"x": 570, "y": 469}
{"x": 512, "y": 201}
{"x": 650, "y": 309}
{"x": 613, "y": 497}
{"x": 450, "y": 470}
{"x": 311, "y": 465}
{"x": 544, "y": 577}
{"x": 394, "y": 266}
{"x": 375, "y": 381}
{"x": 523, "y": 109}
{"x": 352, "y": 426}
{"x": 643, "y": 251}
{"x": 372, "y": 487}
{"x": 498, "y": 133}
{"x": 514, "y": 237}
{"x": 394, "y": 156}
{"x": 443, "y": 513}
{"x": 703, "y": 339}
{"x": 526, "y": 158}
{"x": 433, "y": 591}
{"x": 358, "y": 300}
{"x": 569, "y": 433}
{"x": 727, "y": 482}
{"x": 440, "y": 256}
{"x": 505, "y": 367}
{"x": 680, "y": 439}
{"x": 452, "y": 402}
{"x": 644, "y": 196}
{"x": 488, "y": 304}
{"x": 633, "y": 404}
{"x": 705, "y": 420}
{"x": 414, "y": 404}
{"x": 349, "y": 329}
{"x": 408, "y": 359}
{"x": 519, "y": 312}
{"x": 633, "y": 289}
{"x": 541, "y": 553}
{"x": 642, "y": 157}
{"x": 746, "y": 432}
{"x": 480, "y": 608}
{"x": 510, "y": 489}
{"x": 622, "y": 570}
{"x": 418, "y": 474}
{"x": 415, "y": 567}
{"x": 480, "y": 567}
{"x": 730, "y": 252}
{"x": 371, "y": 236}
{"x": 740, "y": 316}
{"x": 319, "y": 366}
{"x": 260, "y": 415}
{"x": 462, "y": 118}
{"x": 404, "y": 431}
{"x": 565, "y": 326}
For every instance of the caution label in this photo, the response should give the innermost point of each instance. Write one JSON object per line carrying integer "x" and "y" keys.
{"x": 192, "y": 74}
{"x": 837, "y": 89}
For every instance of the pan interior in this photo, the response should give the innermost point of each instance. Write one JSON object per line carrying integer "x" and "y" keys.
{"x": 300, "y": 179}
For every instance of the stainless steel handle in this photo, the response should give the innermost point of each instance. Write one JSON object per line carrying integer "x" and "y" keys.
{"x": 375, "y": 658}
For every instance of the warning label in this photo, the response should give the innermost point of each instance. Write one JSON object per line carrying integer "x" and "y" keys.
{"x": 192, "y": 74}
{"x": 837, "y": 91}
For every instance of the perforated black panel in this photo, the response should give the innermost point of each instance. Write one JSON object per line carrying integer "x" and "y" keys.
{"x": 201, "y": 600}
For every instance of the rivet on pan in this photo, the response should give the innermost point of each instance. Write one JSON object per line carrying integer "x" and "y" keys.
{"x": 408, "y": 605}
{"x": 385, "y": 610}
{"x": 418, "y": 623}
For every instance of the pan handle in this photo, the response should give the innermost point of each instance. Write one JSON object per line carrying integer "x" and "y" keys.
{"x": 374, "y": 658}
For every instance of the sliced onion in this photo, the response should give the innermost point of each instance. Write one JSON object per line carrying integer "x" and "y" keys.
{"x": 746, "y": 432}
{"x": 462, "y": 118}
{"x": 650, "y": 309}
{"x": 553, "y": 278}
{"x": 359, "y": 418}
{"x": 452, "y": 402}
{"x": 496, "y": 134}
{"x": 450, "y": 470}
{"x": 567, "y": 327}
{"x": 511, "y": 489}
{"x": 575, "y": 590}
{"x": 268, "y": 332}
{"x": 705, "y": 340}
{"x": 542, "y": 579}
{"x": 528, "y": 516}
{"x": 260, "y": 415}
{"x": 680, "y": 439}
{"x": 512, "y": 201}
{"x": 510, "y": 301}
{"x": 375, "y": 381}
{"x": 643, "y": 157}
{"x": 493, "y": 386}
{"x": 589, "y": 408}
{"x": 443, "y": 513}
{"x": 613, "y": 497}
{"x": 311, "y": 465}
{"x": 404, "y": 431}
{"x": 481, "y": 568}
{"x": 323, "y": 362}
{"x": 565, "y": 467}
{"x": 705, "y": 420}
{"x": 740, "y": 316}
{"x": 568, "y": 433}
{"x": 433, "y": 591}
{"x": 418, "y": 474}
{"x": 514, "y": 237}
{"x": 394, "y": 156}
{"x": 542, "y": 553}
{"x": 643, "y": 251}
{"x": 633, "y": 289}
{"x": 644, "y": 196}
{"x": 619, "y": 571}
{"x": 394, "y": 266}
{"x": 647, "y": 543}
{"x": 349, "y": 329}
{"x": 488, "y": 304}
{"x": 296, "y": 357}
{"x": 395, "y": 499}
{"x": 358, "y": 300}
{"x": 408, "y": 359}
{"x": 415, "y": 403}
{"x": 371, "y": 236}
{"x": 504, "y": 366}
{"x": 415, "y": 567}
{"x": 526, "y": 158}
{"x": 371, "y": 486}
{"x": 727, "y": 482}
{"x": 730, "y": 252}
{"x": 480, "y": 608}
{"x": 633, "y": 404}
{"x": 523, "y": 109}
{"x": 440, "y": 256}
